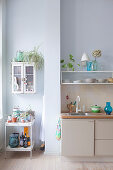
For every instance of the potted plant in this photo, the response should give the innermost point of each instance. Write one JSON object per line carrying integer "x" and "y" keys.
{"x": 32, "y": 56}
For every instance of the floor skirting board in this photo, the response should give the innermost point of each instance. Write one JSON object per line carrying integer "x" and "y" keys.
{"x": 88, "y": 159}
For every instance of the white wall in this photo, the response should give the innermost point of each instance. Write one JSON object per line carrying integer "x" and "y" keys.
{"x": 25, "y": 29}
{"x": 52, "y": 74}
{"x": 2, "y": 69}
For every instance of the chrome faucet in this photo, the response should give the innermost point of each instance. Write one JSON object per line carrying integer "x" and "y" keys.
{"x": 77, "y": 104}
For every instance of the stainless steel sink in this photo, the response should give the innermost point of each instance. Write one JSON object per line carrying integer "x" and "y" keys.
{"x": 78, "y": 114}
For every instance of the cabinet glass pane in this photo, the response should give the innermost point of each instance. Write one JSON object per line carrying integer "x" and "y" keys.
{"x": 17, "y": 83}
{"x": 17, "y": 69}
{"x": 29, "y": 83}
{"x": 29, "y": 70}
{"x": 17, "y": 78}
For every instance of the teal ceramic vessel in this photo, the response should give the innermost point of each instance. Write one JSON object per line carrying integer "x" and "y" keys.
{"x": 108, "y": 108}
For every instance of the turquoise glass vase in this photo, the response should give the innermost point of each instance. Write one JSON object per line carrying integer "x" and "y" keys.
{"x": 108, "y": 108}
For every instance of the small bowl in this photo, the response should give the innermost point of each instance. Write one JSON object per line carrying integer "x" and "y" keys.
{"x": 90, "y": 81}
{"x": 95, "y": 109}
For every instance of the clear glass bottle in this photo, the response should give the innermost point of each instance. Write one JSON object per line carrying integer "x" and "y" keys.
{"x": 94, "y": 65}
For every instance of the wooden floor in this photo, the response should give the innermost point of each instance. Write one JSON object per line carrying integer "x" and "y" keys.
{"x": 21, "y": 161}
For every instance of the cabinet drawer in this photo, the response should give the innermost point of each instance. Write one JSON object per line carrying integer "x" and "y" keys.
{"x": 104, "y": 147}
{"x": 104, "y": 129}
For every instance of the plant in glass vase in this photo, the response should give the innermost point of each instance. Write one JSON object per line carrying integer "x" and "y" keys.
{"x": 96, "y": 53}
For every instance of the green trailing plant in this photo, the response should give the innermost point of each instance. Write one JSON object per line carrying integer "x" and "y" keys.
{"x": 71, "y": 64}
{"x": 34, "y": 56}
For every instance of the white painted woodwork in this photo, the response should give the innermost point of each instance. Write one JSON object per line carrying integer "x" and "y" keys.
{"x": 19, "y": 124}
{"x": 103, "y": 147}
{"x": 77, "y": 137}
{"x": 23, "y": 76}
{"x": 103, "y": 129}
{"x": 88, "y": 72}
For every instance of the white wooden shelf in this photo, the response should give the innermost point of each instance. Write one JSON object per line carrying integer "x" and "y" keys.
{"x": 19, "y": 124}
{"x": 87, "y": 83}
{"x": 29, "y": 148}
{"x": 89, "y": 72}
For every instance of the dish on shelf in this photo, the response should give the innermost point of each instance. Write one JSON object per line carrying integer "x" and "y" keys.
{"x": 90, "y": 81}
{"x": 102, "y": 81}
{"x": 77, "y": 81}
{"x": 66, "y": 81}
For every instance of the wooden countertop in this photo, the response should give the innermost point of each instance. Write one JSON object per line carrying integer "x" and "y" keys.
{"x": 88, "y": 116}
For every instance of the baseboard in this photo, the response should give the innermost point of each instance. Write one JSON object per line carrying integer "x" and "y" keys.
{"x": 88, "y": 159}
{"x": 51, "y": 153}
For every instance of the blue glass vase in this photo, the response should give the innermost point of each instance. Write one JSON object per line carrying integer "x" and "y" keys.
{"x": 89, "y": 65}
{"x": 108, "y": 108}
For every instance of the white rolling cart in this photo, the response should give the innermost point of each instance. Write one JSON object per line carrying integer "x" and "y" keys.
{"x": 19, "y": 124}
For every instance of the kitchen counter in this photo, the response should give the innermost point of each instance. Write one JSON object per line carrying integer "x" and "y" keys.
{"x": 88, "y": 116}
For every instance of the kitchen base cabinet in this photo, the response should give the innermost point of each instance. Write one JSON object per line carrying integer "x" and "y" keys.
{"x": 103, "y": 147}
{"x": 77, "y": 137}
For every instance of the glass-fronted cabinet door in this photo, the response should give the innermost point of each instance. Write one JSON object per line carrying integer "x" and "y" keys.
{"x": 17, "y": 77}
{"x": 29, "y": 78}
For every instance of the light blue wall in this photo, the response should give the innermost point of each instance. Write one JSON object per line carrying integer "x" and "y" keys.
{"x": 52, "y": 75}
{"x": 87, "y": 25}
{"x": 25, "y": 27}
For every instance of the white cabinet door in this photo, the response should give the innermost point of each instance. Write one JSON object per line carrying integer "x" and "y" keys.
{"x": 29, "y": 78}
{"x": 17, "y": 78}
{"x": 77, "y": 137}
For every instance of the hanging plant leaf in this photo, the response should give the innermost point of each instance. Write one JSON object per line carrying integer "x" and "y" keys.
{"x": 71, "y": 58}
{"x": 70, "y": 65}
{"x": 64, "y": 66}
{"x": 61, "y": 61}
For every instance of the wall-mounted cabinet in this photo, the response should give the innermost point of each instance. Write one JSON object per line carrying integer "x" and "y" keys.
{"x": 23, "y": 77}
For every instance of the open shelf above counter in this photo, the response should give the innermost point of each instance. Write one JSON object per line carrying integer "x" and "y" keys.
{"x": 86, "y": 77}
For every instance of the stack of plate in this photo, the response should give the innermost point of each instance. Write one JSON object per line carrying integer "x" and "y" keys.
{"x": 90, "y": 81}
{"x": 102, "y": 81}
